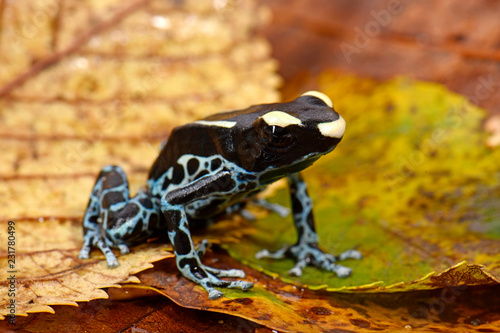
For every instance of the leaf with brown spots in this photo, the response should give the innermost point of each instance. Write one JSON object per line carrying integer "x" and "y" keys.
{"x": 286, "y": 308}
{"x": 88, "y": 84}
{"x": 272, "y": 303}
{"x": 147, "y": 314}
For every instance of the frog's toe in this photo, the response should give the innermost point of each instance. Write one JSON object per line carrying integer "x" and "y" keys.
{"x": 280, "y": 254}
{"x": 110, "y": 256}
{"x": 213, "y": 281}
{"x": 278, "y": 209}
{"x": 247, "y": 215}
{"x": 112, "y": 262}
{"x": 202, "y": 248}
{"x": 123, "y": 249}
{"x": 236, "y": 273}
{"x": 243, "y": 285}
{"x": 84, "y": 253}
{"x": 342, "y": 271}
{"x": 311, "y": 255}
{"x": 350, "y": 254}
{"x": 214, "y": 294}
{"x": 297, "y": 269}
{"x": 87, "y": 242}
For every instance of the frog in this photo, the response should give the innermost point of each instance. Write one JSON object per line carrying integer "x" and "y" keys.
{"x": 213, "y": 167}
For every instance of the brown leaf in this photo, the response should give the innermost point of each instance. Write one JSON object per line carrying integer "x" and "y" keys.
{"x": 87, "y": 84}
{"x": 46, "y": 274}
{"x": 287, "y": 308}
{"x": 148, "y": 314}
{"x": 270, "y": 303}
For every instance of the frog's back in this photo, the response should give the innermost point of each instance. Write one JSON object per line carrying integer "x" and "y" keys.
{"x": 187, "y": 155}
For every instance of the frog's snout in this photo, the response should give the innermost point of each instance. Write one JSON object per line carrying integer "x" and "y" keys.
{"x": 333, "y": 129}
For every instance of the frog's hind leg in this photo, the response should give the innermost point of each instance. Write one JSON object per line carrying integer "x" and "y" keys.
{"x": 240, "y": 207}
{"x": 111, "y": 187}
{"x": 278, "y": 209}
{"x": 113, "y": 219}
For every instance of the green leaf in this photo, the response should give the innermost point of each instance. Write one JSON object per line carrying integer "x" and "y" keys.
{"x": 412, "y": 186}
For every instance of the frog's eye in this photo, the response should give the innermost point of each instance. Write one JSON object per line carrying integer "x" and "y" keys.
{"x": 277, "y": 136}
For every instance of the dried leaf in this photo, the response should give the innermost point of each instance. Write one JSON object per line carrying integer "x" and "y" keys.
{"x": 87, "y": 84}
{"x": 48, "y": 272}
{"x": 148, "y": 314}
{"x": 412, "y": 186}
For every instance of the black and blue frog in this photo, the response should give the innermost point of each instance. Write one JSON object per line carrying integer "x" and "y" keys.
{"x": 214, "y": 166}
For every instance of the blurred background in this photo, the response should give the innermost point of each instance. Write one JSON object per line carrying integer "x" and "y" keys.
{"x": 456, "y": 43}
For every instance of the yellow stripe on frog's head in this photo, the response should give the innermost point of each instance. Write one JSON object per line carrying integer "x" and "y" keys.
{"x": 333, "y": 129}
{"x": 280, "y": 118}
{"x": 319, "y": 95}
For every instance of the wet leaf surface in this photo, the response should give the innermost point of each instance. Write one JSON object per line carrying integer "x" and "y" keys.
{"x": 412, "y": 186}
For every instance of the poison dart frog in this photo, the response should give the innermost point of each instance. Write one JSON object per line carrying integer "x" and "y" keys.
{"x": 214, "y": 166}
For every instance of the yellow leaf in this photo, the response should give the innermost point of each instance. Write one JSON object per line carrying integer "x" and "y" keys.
{"x": 87, "y": 84}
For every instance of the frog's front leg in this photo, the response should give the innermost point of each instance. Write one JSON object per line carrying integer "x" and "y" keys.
{"x": 187, "y": 256}
{"x": 306, "y": 250}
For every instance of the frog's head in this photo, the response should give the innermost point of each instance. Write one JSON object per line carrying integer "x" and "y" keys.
{"x": 280, "y": 138}
{"x": 293, "y": 135}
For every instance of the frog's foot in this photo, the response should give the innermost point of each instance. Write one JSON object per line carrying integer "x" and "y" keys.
{"x": 247, "y": 215}
{"x": 202, "y": 248}
{"x": 123, "y": 249}
{"x": 278, "y": 209}
{"x": 307, "y": 254}
{"x": 208, "y": 278}
{"x": 280, "y": 254}
{"x": 93, "y": 238}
